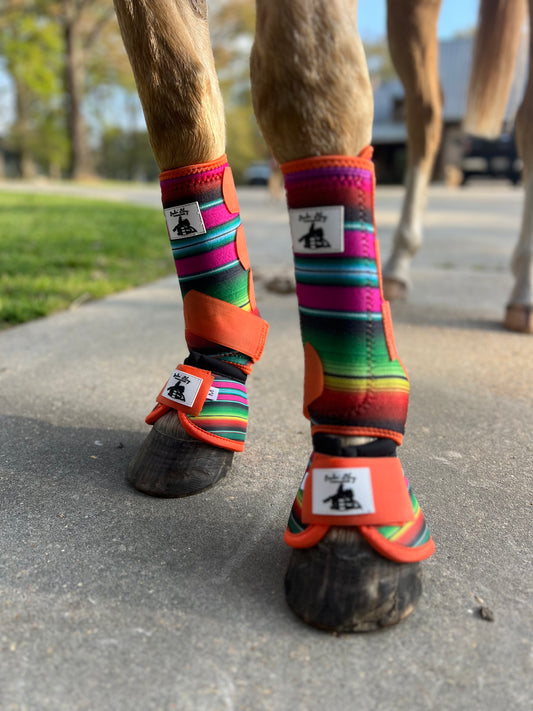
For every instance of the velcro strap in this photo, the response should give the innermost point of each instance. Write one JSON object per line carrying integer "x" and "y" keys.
{"x": 187, "y": 389}
{"x": 225, "y": 324}
{"x": 340, "y": 491}
{"x": 313, "y": 377}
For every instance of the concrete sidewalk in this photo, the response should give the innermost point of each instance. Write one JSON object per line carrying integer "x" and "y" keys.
{"x": 112, "y": 600}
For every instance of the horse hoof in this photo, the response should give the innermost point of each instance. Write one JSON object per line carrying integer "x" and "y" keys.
{"x": 171, "y": 463}
{"x": 393, "y": 289}
{"x": 519, "y": 318}
{"x": 342, "y": 584}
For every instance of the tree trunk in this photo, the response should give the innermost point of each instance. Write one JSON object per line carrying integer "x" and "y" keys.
{"x": 80, "y": 163}
{"x": 21, "y": 134}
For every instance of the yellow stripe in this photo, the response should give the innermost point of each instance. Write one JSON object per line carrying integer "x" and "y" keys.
{"x": 396, "y": 385}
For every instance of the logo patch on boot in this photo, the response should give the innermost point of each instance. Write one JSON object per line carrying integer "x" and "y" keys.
{"x": 184, "y": 221}
{"x": 317, "y": 230}
{"x": 183, "y": 388}
{"x": 342, "y": 492}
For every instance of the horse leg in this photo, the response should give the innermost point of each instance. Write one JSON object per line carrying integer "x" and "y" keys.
{"x": 519, "y": 315}
{"x": 201, "y": 415}
{"x": 313, "y": 101}
{"x": 412, "y": 33}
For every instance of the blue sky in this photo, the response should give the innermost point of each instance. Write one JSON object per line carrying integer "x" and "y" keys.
{"x": 455, "y": 16}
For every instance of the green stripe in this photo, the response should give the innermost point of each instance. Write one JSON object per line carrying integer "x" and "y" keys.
{"x": 348, "y": 315}
{"x": 213, "y": 203}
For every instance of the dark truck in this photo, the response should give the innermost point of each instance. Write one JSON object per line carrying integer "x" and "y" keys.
{"x": 491, "y": 159}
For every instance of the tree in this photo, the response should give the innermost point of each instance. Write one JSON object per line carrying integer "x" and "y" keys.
{"x": 84, "y": 24}
{"x": 232, "y": 26}
{"x": 379, "y": 62}
{"x": 32, "y": 48}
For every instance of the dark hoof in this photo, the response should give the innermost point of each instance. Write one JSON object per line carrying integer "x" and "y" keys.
{"x": 343, "y": 585}
{"x": 171, "y": 463}
{"x": 394, "y": 289}
{"x": 519, "y": 318}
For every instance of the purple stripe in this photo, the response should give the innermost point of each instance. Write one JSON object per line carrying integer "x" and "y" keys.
{"x": 339, "y": 298}
{"x": 331, "y": 171}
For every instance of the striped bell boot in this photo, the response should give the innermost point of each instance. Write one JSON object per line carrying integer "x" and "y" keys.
{"x": 223, "y": 329}
{"x": 355, "y": 386}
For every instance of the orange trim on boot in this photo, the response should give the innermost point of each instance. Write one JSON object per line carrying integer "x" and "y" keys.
{"x": 381, "y": 497}
{"x": 193, "y": 169}
{"x": 363, "y": 160}
{"x": 395, "y": 551}
{"x": 228, "y": 191}
{"x": 225, "y": 324}
{"x": 376, "y": 487}
{"x": 313, "y": 377}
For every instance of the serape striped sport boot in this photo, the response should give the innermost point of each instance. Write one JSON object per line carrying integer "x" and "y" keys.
{"x": 356, "y": 528}
{"x": 201, "y": 415}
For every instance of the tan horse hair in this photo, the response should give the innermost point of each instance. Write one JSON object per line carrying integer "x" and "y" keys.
{"x": 499, "y": 34}
{"x": 326, "y": 107}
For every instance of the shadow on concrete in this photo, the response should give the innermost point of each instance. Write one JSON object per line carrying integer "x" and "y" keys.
{"x": 70, "y": 519}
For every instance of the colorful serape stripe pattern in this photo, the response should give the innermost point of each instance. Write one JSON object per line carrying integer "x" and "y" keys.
{"x": 412, "y": 535}
{"x": 227, "y": 416}
{"x": 341, "y": 303}
{"x": 203, "y": 227}
{"x": 207, "y": 262}
{"x": 344, "y": 317}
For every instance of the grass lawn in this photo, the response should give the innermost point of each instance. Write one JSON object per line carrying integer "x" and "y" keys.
{"x": 56, "y": 250}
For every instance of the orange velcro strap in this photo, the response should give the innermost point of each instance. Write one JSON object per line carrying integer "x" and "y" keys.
{"x": 313, "y": 377}
{"x": 225, "y": 324}
{"x": 357, "y": 491}
{"x": 187, "y": 389}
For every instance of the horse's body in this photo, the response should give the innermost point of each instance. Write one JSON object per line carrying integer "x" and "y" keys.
{"x": 177, "y": 83}
{"x": 313, "y": 101}
{"x": 413, "y": 45}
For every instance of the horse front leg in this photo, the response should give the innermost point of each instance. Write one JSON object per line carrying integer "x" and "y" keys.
{"x": 412, "y": 34}
{"x": 519, "y": 314}
{"x": 169, "y": 49}
{"x": 201, "y": 415}
{"x": 312, "y": 96}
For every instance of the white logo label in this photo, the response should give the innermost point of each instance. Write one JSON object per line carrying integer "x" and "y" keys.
{"x": 184, "y": 221}
{"x": 182, "y": 387}
{"x": 342, "y": 492}
{"x": 317, "y": 230}
{"x": 212, "y": 394}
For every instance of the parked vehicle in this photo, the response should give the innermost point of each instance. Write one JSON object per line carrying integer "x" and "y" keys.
{"x": 491, "y": 159}
{"x": 258, "y": 173}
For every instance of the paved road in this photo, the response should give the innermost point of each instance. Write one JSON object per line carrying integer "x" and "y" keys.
{"x": 112, "y": 600}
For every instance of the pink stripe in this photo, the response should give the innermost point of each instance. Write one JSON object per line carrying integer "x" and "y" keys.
{"x": 232, "y": 385}
{"x": 359, "y": 244}
{"x": 339, "y": 298}
{"x": 186, "y": 266}
{"x": 232, "y": 398}
{"x": 215, "y": 216}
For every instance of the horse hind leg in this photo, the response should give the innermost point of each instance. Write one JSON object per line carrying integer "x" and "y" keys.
{"x": 412, "y": 34}
{"x": 497, "y": 45}
{"x": 519, "y": 313}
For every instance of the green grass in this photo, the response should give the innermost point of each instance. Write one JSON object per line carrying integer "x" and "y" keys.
{"x": 58, "y": 250}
